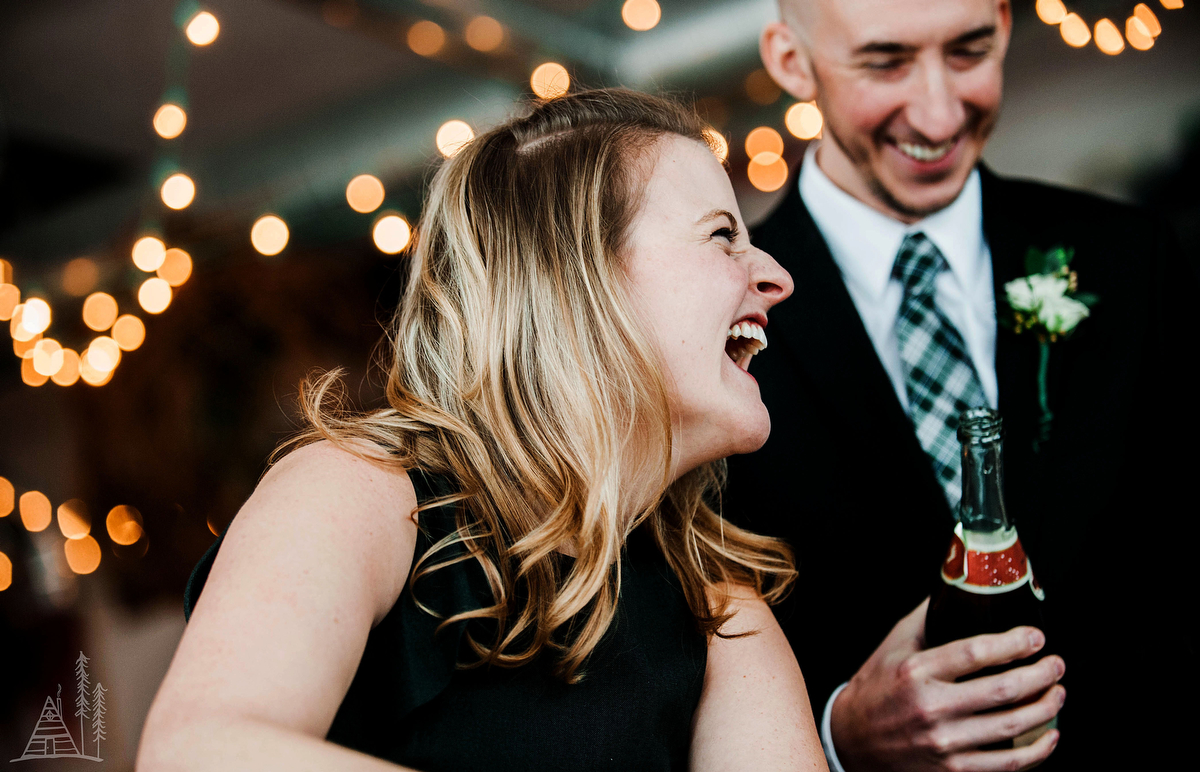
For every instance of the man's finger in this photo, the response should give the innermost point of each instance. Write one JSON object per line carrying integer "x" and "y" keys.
{"x": 1005, "y": 761}
{"x": 959, "y": 658}
{"x": 1005, "y": 688}
{"x": 986, "y": 728}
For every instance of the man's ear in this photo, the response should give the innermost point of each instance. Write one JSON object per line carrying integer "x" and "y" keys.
{"x": 787, "y": 60}
{"x": 1004, "y": 16}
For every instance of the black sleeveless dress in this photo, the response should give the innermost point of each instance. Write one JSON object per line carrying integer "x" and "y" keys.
{"x": 410, "y": 704}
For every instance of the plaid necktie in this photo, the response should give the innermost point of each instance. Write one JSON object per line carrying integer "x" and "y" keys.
{"x": 938, "y": 374}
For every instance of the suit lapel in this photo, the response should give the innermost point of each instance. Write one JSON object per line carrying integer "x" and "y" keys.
{"x": 825, "y": 338}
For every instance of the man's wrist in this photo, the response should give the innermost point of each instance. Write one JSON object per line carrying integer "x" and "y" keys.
{"x": 831, "y": 756}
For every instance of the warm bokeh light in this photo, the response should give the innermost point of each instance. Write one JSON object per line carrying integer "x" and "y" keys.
{"x": 68, "y": 374}
{"x": 10, "y": 298}
{"x": 178, "y": 190}
{"x": 154, "y": 295}
{"x": 767, "y": 176}
{"x": 31, "y": 377}
{"x": 124, "y": 524}
{"x": 8, "y": 498}
{"x": 36, "y": 315}
{"x": 83, "y": 555}
{"x": 1108, "y": 37}
{"x": 452, "y": 135}
{"x": 425, "y": 38}
{"x": 80, "y": 276}
{"x": 804, "y": 120}
{"x": 203, "y": 29}
{"x": 99, "y": 311}
{"x": 176, "y": 267}
{"x": 16, "y": 329}
{"x": 73, "y": 519}
{"x": 129, "y": 332}
{"x": 641, "y": 15}
{"x": 391, "y": 234}
{"x": 364, "y": 193}
{"x": 103, "y": 355}
{"x": 1074, "y": 31}
{"x": 483, "y": 33}
{"x": 5, "y": 572}
{"x": 761, "y": 88}
{"x": 6, "y": 272}
{"x": 170, "y": 121}
{"x": 269, "y": 235}
{"x": 764, "y": 145}
{"x": 717, "y": 143}
{"x": 1142, "y": 12}
{"x": 148, "y": 253}
{"x": 47, "y": 357}
{"x": 339, "y": 13}
{"x": 36, "y": 511}
{"x": 24, "y": 348}
{"x": 550, "y": 80}
{"x": 1051, "y": 11}
{"x": 1137, "y": 34}
{"x": 1172, "y": 5}
{"x": 90, "y": 375}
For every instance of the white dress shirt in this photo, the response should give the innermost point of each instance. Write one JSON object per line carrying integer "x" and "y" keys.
{"x": 864, "y": 243}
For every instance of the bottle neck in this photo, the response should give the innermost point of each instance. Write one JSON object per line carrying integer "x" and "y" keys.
{"x": 982, "y": 507}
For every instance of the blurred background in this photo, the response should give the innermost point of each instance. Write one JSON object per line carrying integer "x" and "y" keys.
{"x": 200, "y": 203}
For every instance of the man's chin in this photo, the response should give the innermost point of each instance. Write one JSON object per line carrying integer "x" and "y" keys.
{"x": 916, "y": 200}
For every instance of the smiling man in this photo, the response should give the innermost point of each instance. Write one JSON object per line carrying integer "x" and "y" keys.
{"x": 900, "y": 243}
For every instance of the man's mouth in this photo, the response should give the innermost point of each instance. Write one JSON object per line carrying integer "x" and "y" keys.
{"x": 926, "y": 153}
{"x": 744, "y": 340}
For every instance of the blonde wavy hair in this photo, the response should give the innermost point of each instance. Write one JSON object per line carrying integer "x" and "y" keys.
{"x": 520, "y": 371}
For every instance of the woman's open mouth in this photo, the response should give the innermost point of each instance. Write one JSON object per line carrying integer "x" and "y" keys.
{"x": 744, "y": 340}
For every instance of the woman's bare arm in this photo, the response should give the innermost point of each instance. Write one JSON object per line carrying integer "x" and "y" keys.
{"x": 754, "y": 712}
{"x": 313, "y": 560}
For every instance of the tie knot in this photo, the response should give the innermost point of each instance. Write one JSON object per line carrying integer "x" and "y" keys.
{"x": 917, "y": 264}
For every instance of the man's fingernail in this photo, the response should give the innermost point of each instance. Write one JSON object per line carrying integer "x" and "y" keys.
{"x": 1060, "y": 667}
{"x": 1036, "y": 639}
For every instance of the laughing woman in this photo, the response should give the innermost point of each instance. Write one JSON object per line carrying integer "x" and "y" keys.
{"x": 517, "y": 565}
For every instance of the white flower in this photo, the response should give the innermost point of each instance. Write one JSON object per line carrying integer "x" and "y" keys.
{"x": 1061, "y": 314}
{"x": 1032, "y": 293}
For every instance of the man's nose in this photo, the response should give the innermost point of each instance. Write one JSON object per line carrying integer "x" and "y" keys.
{"x": 934, "y": 110}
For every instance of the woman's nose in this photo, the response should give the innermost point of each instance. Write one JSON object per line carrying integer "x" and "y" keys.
{"x": 769, "y": 279}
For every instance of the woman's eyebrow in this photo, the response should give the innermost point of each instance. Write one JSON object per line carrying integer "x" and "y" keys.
{"x": 715, "y": 213}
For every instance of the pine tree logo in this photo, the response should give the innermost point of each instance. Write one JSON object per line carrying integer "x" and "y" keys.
{"x": 51, "y": 739}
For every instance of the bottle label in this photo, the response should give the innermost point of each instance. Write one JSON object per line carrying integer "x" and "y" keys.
{"x": 988, "y": 563}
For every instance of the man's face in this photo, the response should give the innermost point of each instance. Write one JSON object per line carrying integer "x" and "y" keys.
{"x": 910, "y": 90}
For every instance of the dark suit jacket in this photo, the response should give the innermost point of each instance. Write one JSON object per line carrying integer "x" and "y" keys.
{"x": 1098, "y": 508}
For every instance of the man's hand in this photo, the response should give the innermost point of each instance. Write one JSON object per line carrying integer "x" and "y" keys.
{"x": 903, "y": 710}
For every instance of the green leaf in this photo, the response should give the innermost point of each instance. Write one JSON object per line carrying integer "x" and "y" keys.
{"x": 1057, "y": 258}
{"x": 1035, "y": 261}
{"x": 1089, "y": 299}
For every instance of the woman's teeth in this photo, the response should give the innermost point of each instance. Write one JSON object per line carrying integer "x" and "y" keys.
{"x": 745, "y": 339}
{"x": 925, "y": 152}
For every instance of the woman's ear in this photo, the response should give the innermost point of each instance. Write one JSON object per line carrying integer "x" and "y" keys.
{"x": 788, "y": 61}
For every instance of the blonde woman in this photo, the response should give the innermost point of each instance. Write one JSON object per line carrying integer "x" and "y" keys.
{"x": 517, "y": 565}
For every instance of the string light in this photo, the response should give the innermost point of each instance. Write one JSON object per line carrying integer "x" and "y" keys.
{"x": 641, "y": 15}
{"x": 24, "y": 348}
{"x": 73, "y": 519}
{"x": 764, "y": 145}
{"x": 83, "y": 554}
{"x": 154, "y": 295}
{"x": 761, "y": 88}
{"x": 47, "y": 357}
{"x": 10, "y": 298}
{"x": 550, "y": 80}
{"x": 1051, "y": 11}
{"x": 79, "y": 276}
{"x": 5, "y": 572}
{"x": 99, "y": 311}
{"x": 1141, "y": 28}
{"x": 149, "y": 253}
{"x": 31, "y": 377}
{"x": 68, "y": 374}
{"x": 1142, "y": 12}
{"x": 16, "y": 329}
{"x": 176, "y": 267}
{"x": 269, "y": 235}
{"x": 1108, "y": 38}
{"x": 90, "y": 375}
{"x": 103, "y": 355}
{"x": 391, "y": 234}
{"x": 484, "y": 33}
{"x": 1137, "y": 34}
{"x": 1074, "y": 31}
{"x": 1172, "y": 5}
{"x": 178, "y": 190}
{"x": 170, "y": 120}
{"x": 804, "y": 120}
{"x": 425, "y": 38}
{"x": 203, "y": 29}
{"x": 451, "y": 137}
{"x": 364, "y": 193}
{"x": 124, "y": 525}
{"x": 129, "y": 332}
{"x": 768, "y": 174}
{"x": 7, "y": 497}
{"x": 36, "y": 316}
{"x": 717, "y": 143}
{"x": 35, "y": 511}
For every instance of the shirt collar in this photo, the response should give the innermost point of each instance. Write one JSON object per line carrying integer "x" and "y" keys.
{"x": 864, "y": 241}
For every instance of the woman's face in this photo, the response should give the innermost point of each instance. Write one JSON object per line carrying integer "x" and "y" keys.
{"x": 704, "y": 293}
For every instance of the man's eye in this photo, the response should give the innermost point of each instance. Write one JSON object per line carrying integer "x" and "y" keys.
{"x": 884, "y": 65}
{"x": 972, "y": 53}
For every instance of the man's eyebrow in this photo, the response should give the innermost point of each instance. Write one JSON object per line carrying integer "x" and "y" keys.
{"x": 719, "y": 213}
{"x": 883, "y": 47}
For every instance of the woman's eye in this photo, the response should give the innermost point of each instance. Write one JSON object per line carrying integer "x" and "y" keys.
{"x": 729, "y": 234}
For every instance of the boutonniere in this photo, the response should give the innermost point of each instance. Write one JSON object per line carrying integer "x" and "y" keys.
{"x": 1048, "y": 305}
